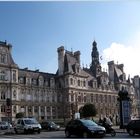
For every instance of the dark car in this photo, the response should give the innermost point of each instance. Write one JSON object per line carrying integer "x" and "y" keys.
{"x": 49, "y": 125}
{"x": 133, "y": 127}
{"x": 84, "y": 128}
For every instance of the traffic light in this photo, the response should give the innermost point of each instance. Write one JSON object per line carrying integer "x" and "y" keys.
{"x": 8, "y": 101}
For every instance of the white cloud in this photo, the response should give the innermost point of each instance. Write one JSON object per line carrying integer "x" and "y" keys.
{"x": 124, "y": 54}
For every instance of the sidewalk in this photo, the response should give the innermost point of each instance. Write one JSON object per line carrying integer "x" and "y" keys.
{"x": 7, "y": 131}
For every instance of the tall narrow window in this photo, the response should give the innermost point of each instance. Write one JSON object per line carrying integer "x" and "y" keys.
{"x": 78, "y": 82}
{"x": 91, "y": 96}
{"x": 3, "y": 108}
{"x": 14, "y": 94}
{"x": 14, "y": 76}
{"x": 3, "y": 95}
{"x": 84, "y": 83}
{"x": 2, "y": 75}
{"x": 71, "y": 81}
{"x": 3, "y": 58}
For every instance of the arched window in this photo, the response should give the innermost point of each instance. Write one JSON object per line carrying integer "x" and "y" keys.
{"x": 54, "y": 111}
{"x": 3, "y": 109}
{"x": 36, "y": 109}
{"x": 22, "y": 95}
{"x": 85, "y": 99}
{"x": 14, "y": 109}
{"x": 14, "y": 94}
{"x": 14, "y": 76}
{"x": 48, "y": 110}
{"x": 41, "y": 81}
{"x": 29, "y": 109}
{"x": 42, "y": 109}
{"x": 3, "y": 96}
{"x": 36, "y": 96}
{"x": 84, "y": 83}
{"x": 91, "y": 96}
{"x": 71, "y": 81}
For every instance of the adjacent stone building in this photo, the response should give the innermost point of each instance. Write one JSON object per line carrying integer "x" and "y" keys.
{"x": 62, "y": 94}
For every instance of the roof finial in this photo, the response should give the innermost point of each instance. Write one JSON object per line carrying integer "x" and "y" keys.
{"x": 83, "y": 65}
{"x": 71, "y": 50}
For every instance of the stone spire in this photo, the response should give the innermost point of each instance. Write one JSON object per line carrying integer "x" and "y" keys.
{"x": 95, "y": 64}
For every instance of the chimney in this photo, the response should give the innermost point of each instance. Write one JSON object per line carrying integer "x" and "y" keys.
{"x": 77, "y": 56}
{"x": 61, "y": 54}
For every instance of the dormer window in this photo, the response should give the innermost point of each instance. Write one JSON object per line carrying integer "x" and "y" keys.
{"x": 3, "y": 58}
{"x": 34, "y": 81}
{"x": 41, "y": 81}
{"x": 84, "y": 83}
{"x": 21, "y": 80}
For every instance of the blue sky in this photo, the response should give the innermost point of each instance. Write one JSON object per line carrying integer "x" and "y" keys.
{"x": 37, "y": 29}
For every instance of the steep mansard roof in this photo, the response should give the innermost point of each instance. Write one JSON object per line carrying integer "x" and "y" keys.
{"x": 34, "y": 74}
{"x": 6, "y": 48}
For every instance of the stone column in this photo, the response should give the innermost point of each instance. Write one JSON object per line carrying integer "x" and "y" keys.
{"x": 51, "y": 111}
{"x": 33, "y": 113}
{"x": 26, "y": 111}
{"x": 39, "y": 113}
{"x": 45, "y": 113}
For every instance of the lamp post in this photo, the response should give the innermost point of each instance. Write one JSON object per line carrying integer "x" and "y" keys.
{"x": 124, "y": 108}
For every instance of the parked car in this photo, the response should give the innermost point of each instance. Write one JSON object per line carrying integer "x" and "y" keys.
{"x": 133, "y": 127}
{"x": 84, "y": 128}
{"x": 5, "y": 125}
{"x": 26, "y": 125}
{"x": 49, "y": 125}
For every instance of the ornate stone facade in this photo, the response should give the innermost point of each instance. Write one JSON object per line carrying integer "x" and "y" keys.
{"x": 60, "y": 95}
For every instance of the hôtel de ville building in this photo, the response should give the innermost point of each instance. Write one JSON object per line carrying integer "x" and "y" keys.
{"x": 60, "y": 95}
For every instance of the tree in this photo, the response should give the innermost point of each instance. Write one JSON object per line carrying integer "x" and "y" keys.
{"x": 88, "y": 110}
{"x": 20, "y": 115}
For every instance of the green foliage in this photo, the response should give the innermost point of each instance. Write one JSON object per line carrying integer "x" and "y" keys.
{"x": 20, "y": 115}
{"x": 88, "y": 110}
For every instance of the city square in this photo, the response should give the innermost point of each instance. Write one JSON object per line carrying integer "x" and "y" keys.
{"x": 56, "y": 58}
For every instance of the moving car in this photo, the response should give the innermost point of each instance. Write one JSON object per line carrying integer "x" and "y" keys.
{"x": 49, "y": 125}
{"x": 26, "y": 125}
{"x": 84, "y": 128}
{"x": 133, "y": 127}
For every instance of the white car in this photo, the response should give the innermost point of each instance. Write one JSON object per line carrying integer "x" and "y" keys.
{"x": 26, "y": 125}
{"x": 4, "y": 125}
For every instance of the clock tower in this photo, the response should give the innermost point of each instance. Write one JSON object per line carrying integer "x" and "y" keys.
{"x": 95, "y": 66}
